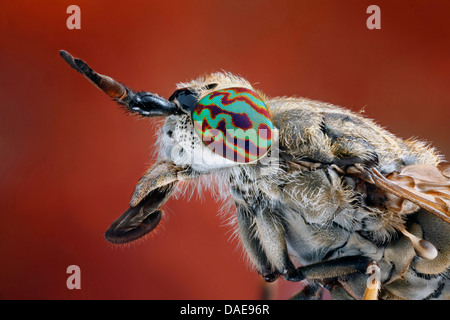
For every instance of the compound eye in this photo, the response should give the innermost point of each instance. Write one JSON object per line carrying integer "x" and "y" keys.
{"x": 234, "y": 123}
{"x": 186, "y": 98}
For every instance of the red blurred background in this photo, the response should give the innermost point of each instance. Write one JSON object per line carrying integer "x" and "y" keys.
{"x": 70, "y": 157}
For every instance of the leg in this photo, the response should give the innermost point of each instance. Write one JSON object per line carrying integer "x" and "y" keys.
{"x": 262, "y": 235}
{"x": 271, "y": 233}
{"x": 312, "y": 291}
{"x": 338, "y": 292}
{"x": 334, "y": 268}
{"x": 342, "y": 267}
{"x": 255, "y": 252}
{"x": 334, "y": 272}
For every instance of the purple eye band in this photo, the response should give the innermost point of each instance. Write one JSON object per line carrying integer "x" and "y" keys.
{"x": 234, "y": 123}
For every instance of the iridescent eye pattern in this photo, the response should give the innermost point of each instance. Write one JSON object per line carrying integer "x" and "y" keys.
{"x": 234, "y": 123}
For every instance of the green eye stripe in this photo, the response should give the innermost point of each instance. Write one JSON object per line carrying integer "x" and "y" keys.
{"x": 235, "y": 123}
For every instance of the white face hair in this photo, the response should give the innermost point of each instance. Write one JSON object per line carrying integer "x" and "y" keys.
{"x": 179, "y": 143}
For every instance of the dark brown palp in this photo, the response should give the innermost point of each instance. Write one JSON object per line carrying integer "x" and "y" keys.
{"x": 141, "y": 219}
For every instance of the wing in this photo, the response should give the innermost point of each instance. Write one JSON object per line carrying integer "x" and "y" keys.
{"x": 424, "y": 185}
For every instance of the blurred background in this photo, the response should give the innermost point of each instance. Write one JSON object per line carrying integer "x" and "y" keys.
{"x": 70, "y": 158}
